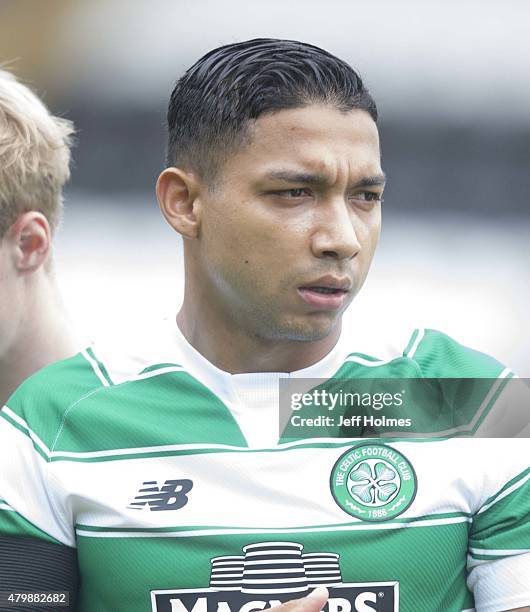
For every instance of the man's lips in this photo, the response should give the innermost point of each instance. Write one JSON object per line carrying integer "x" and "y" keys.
{"x": 326, "y": 293}
{"x": 323, "y": 301}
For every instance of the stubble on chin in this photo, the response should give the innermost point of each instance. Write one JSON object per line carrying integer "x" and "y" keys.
{"x": 274, "y": 327}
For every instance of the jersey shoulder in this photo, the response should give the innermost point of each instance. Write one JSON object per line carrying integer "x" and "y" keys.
{"x": 440, "y": 356}
{"x": 40, "y": 403}
{"x": 418, "y": 353}
{"x": 97, "y": 376}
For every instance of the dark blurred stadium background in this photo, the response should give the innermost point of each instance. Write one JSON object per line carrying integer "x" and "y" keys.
{"x": 451, "y": 82}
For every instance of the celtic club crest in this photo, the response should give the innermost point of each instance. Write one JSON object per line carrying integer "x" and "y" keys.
{"x": 373, "y": 482}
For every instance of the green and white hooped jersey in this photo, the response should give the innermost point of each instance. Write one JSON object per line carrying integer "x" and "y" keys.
{"x": 167, "y": 475}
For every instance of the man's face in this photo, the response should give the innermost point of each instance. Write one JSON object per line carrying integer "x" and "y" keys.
{"x": 288, "y": 233}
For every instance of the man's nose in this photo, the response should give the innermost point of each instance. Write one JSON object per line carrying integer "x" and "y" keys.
{"x": 335, "y": 235}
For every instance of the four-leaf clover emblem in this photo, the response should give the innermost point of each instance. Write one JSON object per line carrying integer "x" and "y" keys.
{"x": 373, "y": 482}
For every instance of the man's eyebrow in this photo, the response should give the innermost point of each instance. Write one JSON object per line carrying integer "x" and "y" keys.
{"x": 372, "y": 181}
{"x": 319, "y": 181}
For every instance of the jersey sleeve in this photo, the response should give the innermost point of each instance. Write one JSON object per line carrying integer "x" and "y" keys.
{"x": 499, "y": 543}
{"x": 498, "y": 405}
{"x": 32, "y": 500}
{"x": 27, "y": 491}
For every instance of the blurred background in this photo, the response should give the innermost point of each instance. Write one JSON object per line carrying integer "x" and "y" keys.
{"x": 451, "y": 83}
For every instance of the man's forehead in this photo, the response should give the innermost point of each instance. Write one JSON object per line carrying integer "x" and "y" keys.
{"x": 301, "y": 129}
{"x": 316, "y": 121}
{"x": 312, "y": 138}
{"x": 317, "y": 140}
{"x": 309, "y": 111}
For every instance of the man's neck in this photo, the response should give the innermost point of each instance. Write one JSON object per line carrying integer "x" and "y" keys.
{"x": 44, "y": 336}
{"x": 234, "y": 350}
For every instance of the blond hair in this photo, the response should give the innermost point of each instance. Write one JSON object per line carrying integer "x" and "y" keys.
{"x": 34, "y": 155}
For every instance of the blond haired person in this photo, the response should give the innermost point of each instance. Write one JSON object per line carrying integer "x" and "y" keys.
{"x": 34, "y": 166}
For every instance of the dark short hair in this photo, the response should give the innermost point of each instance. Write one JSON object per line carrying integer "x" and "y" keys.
{"x": 212, "y": 104}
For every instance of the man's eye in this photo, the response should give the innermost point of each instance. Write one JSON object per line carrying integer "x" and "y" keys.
{"x": 369, "y": 196}
{"x": 293, "y": 193}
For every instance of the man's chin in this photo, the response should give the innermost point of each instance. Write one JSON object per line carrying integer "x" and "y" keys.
{"x": 307, "y": 331}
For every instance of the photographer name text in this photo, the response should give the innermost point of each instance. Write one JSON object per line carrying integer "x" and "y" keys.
{"x": 354, "y": 421}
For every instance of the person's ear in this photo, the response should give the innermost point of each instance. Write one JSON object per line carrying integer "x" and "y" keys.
{"x": 177, "y": 192}
{"x": 30, "y": 241}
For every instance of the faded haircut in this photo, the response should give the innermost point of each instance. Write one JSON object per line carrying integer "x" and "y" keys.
{"x": 34, "y": 155}
{"x": 213, "y": 104}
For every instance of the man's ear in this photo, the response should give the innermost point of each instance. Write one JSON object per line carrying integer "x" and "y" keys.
{"x": 177, "y": 192}
{"x": 30, "y": 240}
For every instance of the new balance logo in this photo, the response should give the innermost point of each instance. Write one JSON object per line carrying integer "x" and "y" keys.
{"x": 172, "y": 495}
